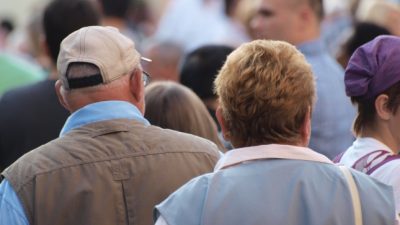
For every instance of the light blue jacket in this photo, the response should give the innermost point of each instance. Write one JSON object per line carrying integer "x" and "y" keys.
{"x": 296, "y": 187}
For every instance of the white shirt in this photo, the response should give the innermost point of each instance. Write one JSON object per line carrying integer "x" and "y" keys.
{"x": 388, "y": 173}
{"x": 200, "y": 23}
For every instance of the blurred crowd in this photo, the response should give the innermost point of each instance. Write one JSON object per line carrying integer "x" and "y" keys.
{"x": 166, "y": 31}
{"x": 169, "y": 32}
{"x": 178, "y": 48}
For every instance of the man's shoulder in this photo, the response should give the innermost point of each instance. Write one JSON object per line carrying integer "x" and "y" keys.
{"x": 369, "y": 182}
{"x": 183, "y": 141}
{"x": 150, "y": 138}
{"x": 192, "y": 193}
{"x": 29, "y": 165}
{"x": 374, "y": 192}
{"x": 26, "y": 96}
{"x": 28, "y": 90}
{"x": 177, "y": 135}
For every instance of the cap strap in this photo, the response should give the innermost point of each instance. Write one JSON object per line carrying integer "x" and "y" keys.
{"x": 88, "y": 81}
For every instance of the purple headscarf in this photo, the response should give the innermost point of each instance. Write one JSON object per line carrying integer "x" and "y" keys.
{"x": 373, "y": 67}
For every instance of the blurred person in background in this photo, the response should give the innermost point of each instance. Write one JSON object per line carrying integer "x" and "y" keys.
{"x": 372, "y": 81}
{"x": 34, "y": 42}
{"x": 114, "y": 13}
{"x": 109, "y": 166}
{"x": 239, "y": 14}
{"x": 15, "y": 71}
{"x": 363, "y": 33}
{"x": 267, "y": 91}
{"x": 166, "y": 57}
{"x": 6, "y": 27}
{"x": 337, "y": 24}
{"x": 31, "y": 116}
{"x": 198, "y": 71}
{"x": 242, "y": 13}
{"x": 142, "y": 17}
{"x": 369, "y": 18}
{"x": 195, "y": 23}
{"x": 343, "y": 18}
{"x": 380, "y": 12}
{"x": 173, "y": 106}
{"x": 298, "y": 22}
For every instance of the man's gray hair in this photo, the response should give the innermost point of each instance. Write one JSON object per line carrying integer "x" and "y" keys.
{"x": 82, "y": 69}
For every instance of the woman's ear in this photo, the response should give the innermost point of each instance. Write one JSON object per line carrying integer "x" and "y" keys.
{"x": 381, "y": 106}
{"x": 222, "y": 123}
{"x": 306, "y": 128}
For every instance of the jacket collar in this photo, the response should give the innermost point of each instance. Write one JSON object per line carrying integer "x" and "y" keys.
{"x": 101, "y": 111}
{"x": 271, "y": 151}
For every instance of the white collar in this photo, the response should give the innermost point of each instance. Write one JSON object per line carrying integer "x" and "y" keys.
{"x": 362, "y": 146}
{"x": 277, "y": 151}
{"x": 369, "y": 144}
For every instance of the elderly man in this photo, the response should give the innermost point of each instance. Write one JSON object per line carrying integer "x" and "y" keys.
{"x": 110, "y": 166}
{"x": 298, "y": 22}
{"x": 266, "y": 91}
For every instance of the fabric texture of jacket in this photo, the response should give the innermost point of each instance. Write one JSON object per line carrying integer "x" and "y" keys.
{"x": 108, "y": 172}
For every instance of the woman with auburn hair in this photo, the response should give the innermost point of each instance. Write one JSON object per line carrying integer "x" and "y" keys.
{"x": 266, "y": 91}
{"x": 372, "y": 81}
{"x": 173, "y": 106}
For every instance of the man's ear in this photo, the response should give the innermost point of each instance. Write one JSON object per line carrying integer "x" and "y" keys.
{"x": 58, "y": 87}
{"x": 305, "y": 12}
{"x": 305, "y": 16}
{"x": 136, "y": 88}
{"x": 222, "y": 123}
{"x": 381, "y": 107}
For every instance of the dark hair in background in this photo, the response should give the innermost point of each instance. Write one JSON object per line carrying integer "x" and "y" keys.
{"x": 62, "y": 17}
{"x": 318, "y": 7}
{"x": 200, "y": 67}
{"x": 363, "y": 33}
{"x": 230, "y": 5}
{"x": 7, "y": 25}
{"x": 366, "y": 108}
{"x": 115, "y": 8}
{"x": 173, "y": 106}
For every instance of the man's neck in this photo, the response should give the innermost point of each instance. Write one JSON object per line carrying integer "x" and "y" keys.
{"x": 307, "y": 36}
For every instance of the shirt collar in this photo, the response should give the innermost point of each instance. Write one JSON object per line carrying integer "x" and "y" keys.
{"x": 272, "y": 151}
{"x": 366, "y": 145}
{"x": 101, "y": 111}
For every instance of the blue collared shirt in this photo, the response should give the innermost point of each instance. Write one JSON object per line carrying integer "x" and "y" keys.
{"x": 333, "y": 113}
{"x": 11, "y": 209}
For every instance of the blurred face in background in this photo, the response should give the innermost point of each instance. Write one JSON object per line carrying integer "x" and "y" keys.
{"x": 275, "y": 20}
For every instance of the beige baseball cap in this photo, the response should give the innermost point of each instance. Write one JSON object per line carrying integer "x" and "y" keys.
{"x": 105, "y": 47}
